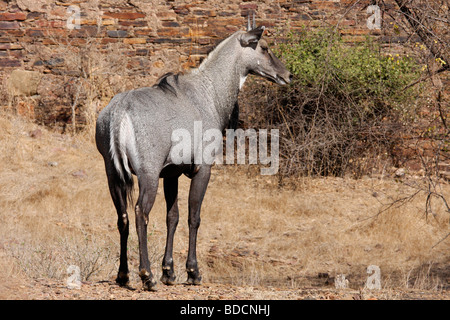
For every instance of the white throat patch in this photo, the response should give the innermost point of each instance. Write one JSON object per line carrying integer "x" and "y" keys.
{"x": 242, "y": 81}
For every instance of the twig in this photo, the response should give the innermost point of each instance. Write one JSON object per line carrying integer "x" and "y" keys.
{"x": 425, "y": 33}
{"x": 444, "y": 68}
{"x": 397, "y": 202}
{"x": 441, "y": 114}
{"x": 446, "y": 236}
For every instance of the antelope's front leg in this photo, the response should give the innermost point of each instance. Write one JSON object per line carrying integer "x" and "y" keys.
{"x": 196, "y": 193}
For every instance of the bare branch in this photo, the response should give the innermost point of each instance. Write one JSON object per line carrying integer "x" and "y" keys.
{"x": 426, "y": 34}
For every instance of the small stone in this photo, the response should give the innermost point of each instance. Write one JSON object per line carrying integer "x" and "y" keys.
{"x": 35, "y": 133}
{"x": 400, "y": 173}
{"x": 79, "y": 174}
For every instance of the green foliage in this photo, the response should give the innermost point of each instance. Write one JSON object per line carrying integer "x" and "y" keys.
{"x": 358, "y": 72}
{"x": 346, "y": 106}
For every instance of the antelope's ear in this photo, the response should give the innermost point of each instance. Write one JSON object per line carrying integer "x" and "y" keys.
{"x": 251, "y": 38}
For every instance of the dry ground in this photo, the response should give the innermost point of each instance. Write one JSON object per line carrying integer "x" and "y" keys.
{"x": 256, "y": 241}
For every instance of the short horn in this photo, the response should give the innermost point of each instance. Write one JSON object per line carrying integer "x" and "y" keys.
{"x": 249, "y": 28}
{"x": 254, "y": 23}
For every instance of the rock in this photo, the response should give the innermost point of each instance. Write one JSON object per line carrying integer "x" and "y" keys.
{"x": 79, "y": 174}
{"x": 23, "y": 82}
{"x": 34, "y": 5}
{"x": 400, "y": 173}
{"x": 36, "y": 134}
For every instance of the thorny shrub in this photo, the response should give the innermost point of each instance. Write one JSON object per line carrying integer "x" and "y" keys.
{"x": 344, "y": 109}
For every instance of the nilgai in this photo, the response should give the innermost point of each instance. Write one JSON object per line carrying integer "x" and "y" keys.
{"x": 134, "y": 136}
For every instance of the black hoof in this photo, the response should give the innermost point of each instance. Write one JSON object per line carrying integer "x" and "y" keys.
{"x": 168, "y": 277}
{"x": 194, "y": 278}
{"x": 122, "y": 279}
{"x": 148, "y": 284}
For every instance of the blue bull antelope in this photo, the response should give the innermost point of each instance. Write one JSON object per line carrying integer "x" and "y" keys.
{"x": 134, "y": 131}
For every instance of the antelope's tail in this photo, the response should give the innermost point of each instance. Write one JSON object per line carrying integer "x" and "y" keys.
{"x": 122, "y": 141}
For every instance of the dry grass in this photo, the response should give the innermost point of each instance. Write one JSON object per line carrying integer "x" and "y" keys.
{"x": 55, "y": 211}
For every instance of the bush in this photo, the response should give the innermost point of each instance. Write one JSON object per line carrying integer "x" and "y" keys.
{"x": 360, "y": 72}
{"x": 344, "y": 108}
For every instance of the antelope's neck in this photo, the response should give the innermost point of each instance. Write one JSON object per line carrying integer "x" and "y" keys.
{"x": 224, "y": 72}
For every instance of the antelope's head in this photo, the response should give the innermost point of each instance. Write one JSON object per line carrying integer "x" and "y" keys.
{"x": 260, "y": 60}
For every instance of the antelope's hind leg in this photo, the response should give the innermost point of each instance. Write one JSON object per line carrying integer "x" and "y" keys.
{"x": 171, "y": 195}
{"x": 119, "y": 197}
{"x": 197, "y": 191}
{"x": 148, "y": 187}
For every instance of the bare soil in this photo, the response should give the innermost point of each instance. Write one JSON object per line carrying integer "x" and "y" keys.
{"x": 47, "y": 289}
{"x": 256, "y": 240}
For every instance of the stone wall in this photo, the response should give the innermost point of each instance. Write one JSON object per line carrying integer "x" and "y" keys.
{"x": 154, "y": 36}
{"x": 118, "y": 44}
